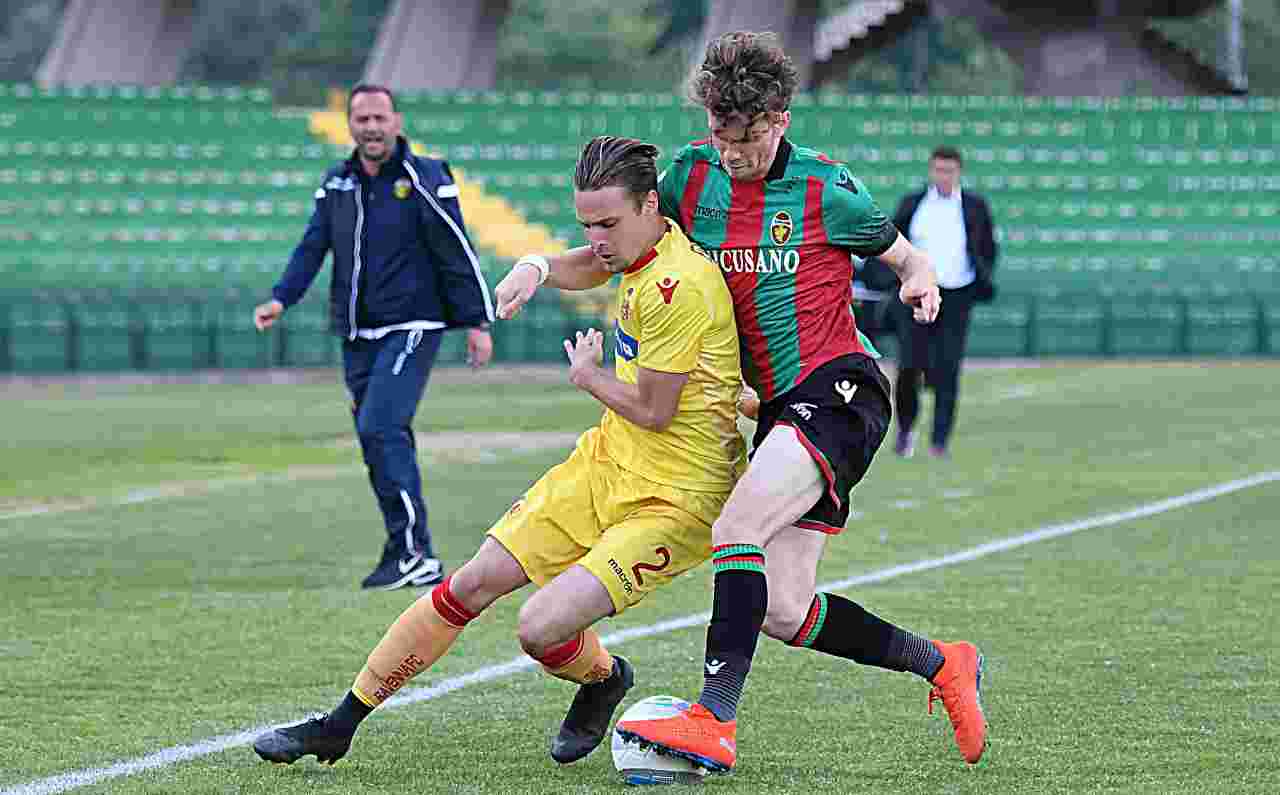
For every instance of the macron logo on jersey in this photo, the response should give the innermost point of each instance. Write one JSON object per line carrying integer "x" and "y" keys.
{"x": 624, "y": 345}
{"x": 668, "y": 288}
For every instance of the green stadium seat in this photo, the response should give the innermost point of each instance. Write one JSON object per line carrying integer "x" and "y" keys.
{"x": 1068, "y": 325}
{"x": 1224, "y": 327}
{"x": 36, "y": 329}
{"x": 199, "y": 188}
{"x": 177, "y": 334}
{"x": 1144, "y": 326}
{"x": 305, "y": 338}
{"x": 1001, "y": 328}
{"x": 107, "y": 337}
{"x": 236, "y": 343}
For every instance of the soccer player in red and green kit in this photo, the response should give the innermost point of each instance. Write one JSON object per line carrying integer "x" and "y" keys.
{"x": 782, "y": 222}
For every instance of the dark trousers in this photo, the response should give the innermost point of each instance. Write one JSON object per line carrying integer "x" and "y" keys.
{"x": 386, "y": 379}
{"x": 933, "y": 351}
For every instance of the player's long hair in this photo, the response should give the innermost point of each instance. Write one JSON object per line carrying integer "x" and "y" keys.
{"x": 608, "y": 161}
{"x": 744, "y": 75}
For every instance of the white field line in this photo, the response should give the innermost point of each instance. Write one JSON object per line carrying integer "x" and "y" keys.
{"x": 439, "y": 445}
{"x": 180, "y": 753}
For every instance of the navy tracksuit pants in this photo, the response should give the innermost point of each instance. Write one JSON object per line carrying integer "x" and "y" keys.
{"x": 386, "y": 379}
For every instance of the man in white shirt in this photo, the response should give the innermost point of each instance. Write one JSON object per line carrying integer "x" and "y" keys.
{"x": 954, "y": 227}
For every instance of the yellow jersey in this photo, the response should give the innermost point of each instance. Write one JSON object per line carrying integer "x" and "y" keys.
{"x": 675, "y": 315}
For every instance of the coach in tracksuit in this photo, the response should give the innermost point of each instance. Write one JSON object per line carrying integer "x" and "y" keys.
{"x": 403, "y": 272}
{"x": 955, "y": 228}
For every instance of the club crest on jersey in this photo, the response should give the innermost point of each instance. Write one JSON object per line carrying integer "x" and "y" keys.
{"x": 626, "y": 303}
{"x": 780, "y": 227}
{"x": 403, "y": 188}
{"x": 668, "y": 288}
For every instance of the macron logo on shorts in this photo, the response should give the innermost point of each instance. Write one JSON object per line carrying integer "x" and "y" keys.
{"x": 846, "y": 390}
{"x": 805, "y": 410}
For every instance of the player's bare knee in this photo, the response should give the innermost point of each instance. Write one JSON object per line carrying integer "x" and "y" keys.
{"x": 739, "y": 528}
{"x": 490, "y": 574}
{"x": 535, "y": 631}
{"x": 468, "y": 586}
{"x": 475, "y": 587}
{"x": 783, "y": 618}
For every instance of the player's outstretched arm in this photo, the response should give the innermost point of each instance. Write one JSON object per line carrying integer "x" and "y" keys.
{"x": 575, "y": 269}
{"x": 919, "y": 282}
{"x": 651, "y": 402}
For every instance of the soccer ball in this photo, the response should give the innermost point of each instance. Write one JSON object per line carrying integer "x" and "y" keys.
{"x": 645, "y": 765}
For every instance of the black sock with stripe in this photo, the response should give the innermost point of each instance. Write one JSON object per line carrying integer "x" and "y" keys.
{"x": 737, "y": 613}
{"x": 845, "y": 629}
{"x": 348, "y": 714}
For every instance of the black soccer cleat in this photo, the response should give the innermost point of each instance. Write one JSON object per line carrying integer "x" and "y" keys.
{"x": 587, "y": 723}
{"x": 288, "y": 744}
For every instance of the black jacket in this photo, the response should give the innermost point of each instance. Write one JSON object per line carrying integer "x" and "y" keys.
{"x": 978, "y": 231}
{"x": 444, "y": 286}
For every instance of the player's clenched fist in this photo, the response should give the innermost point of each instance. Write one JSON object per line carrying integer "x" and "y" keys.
{"x": 749, "y": 403}
{"x": 519, "y": 285}
{"x": 920, "y": 292}
{"x": 264, "y": 315}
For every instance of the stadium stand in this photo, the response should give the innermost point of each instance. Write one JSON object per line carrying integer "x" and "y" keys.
{"x": 1089, "y": 192}
{"x": 193, "y": 197}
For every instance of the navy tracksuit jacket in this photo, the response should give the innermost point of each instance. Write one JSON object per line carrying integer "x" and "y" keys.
{"x": 403, "y": 272}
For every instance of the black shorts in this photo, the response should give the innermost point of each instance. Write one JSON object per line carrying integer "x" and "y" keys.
{"x": 841, "y": 414}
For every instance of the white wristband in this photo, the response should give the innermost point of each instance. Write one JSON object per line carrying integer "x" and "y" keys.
{"x": 538, "y": 261}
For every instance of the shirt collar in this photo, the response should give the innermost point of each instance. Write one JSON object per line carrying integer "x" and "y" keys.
{"x": 394, "y": 164}
{"x": 933, "y": 195}
{"x": 780, "y": 161}
{"x": 648, "y": 256}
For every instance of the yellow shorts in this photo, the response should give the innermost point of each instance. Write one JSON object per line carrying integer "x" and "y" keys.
{"x": 633, "y": 534}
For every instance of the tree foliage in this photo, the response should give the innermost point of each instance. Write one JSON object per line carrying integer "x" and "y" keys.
{"x": 948, "y": 56}
{"x": 1204, "y": 36}
{"x": 587, "y": 44}
{"x": 301, "y": 48}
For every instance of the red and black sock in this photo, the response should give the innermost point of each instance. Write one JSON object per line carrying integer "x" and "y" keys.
{"x": 845, "y": 629}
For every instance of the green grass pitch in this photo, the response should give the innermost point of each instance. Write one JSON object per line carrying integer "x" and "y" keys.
{"x": 181, "y": 562}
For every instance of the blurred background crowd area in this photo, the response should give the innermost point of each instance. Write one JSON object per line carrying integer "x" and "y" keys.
{"x": 1128, "y": 149}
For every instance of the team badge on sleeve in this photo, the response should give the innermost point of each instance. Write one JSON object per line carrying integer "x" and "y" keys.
{"x": 625, "y": 345}
{"x": 780, "y": 228}
{"x": 403, "y": 188}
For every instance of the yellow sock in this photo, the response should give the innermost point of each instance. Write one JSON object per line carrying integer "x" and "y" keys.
{"x": 582, "y": 659}
{"x": 419, "y": 637}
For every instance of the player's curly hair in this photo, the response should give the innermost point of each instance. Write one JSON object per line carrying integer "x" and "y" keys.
{"x": 744, "y": 75}
{"x": 607, "y": 161}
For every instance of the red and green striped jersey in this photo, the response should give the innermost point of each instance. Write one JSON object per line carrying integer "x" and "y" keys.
{"x": 784, "y": 246}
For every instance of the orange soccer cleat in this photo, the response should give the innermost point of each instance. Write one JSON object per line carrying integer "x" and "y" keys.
{"x": 693, "y": 734}
{"x": 959, "y": 685}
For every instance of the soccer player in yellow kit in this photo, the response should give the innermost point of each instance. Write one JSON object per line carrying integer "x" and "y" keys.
{"x": 633, "y": 505}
